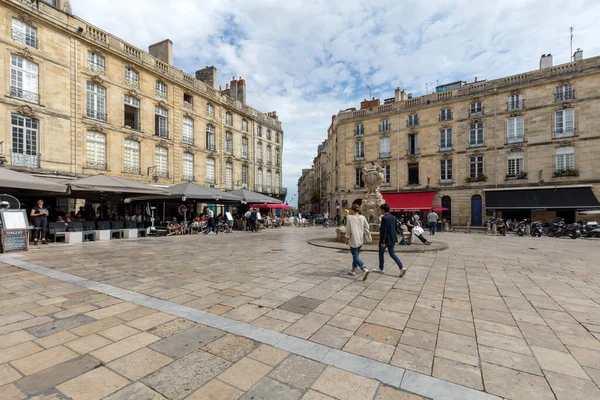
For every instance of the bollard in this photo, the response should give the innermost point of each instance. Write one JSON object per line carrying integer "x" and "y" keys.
{"x": 494, "y": 228}
{"x": 527, "y": 230}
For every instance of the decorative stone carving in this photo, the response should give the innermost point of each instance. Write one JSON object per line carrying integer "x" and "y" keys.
{"x": 24, "y": 52}
{"x": 373, "y": 178}
{"x": 25, "y": 110}
{"x": 445, "y": 156}
{"x": 515, "y": 149}
{"x": 188, "y": 114}
{"x": 412, "y": 159}
{"x": 133, "y": 136}
{"x": 97, "y": 128}
{"x": 132, "y": 93}
{"x": 189, "y": 149}
{"x": 163, "y": 143}
{"x": 564, "y": 143}
{"x": 97, "y": 79}
{"x": 162, "y": 103}
{"x": 25, "y": 18}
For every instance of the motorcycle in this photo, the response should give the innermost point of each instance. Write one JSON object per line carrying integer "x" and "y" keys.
{"x": 573, "y": 231}
{"x": 590, "y": 229}
{"x": 537, "y": 229}
{"x": 559, "y": 228}
{"x": 522, "y": 227}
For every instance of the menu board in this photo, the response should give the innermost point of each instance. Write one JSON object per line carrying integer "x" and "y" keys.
{"x": 228, "y": 215}
{"x": 14, "y": 219}
{"x": 15, "y": 240}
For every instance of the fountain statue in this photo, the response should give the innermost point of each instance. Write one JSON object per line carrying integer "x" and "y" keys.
{"x": 373, "y": 178}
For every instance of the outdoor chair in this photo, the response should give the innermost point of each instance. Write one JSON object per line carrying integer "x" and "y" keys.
{"x": 57, "y": 229}
{"x": 105, "y": 226}
{"x": 84, "y": 228}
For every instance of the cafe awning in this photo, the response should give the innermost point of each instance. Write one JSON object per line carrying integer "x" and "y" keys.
{"x": 546, "y": 198}
{"x": 413, "y": 201}
{"x": 10, "y": 179}
{"x": 249, "y": 196}
{"x": 112, "y": 184}
{"x": 193, "y": 191}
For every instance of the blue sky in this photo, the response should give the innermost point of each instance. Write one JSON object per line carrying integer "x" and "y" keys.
{"x": 309, "y": 59}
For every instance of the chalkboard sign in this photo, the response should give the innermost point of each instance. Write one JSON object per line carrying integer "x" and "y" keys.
{"x": 15, "y": 240}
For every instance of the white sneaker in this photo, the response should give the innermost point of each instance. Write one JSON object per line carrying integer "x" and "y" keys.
{"x": 378, "y": 270}
{"x": 352, "y": 273}
{"x": 365, "y": 274}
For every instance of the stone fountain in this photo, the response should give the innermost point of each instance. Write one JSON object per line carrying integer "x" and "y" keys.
{"x": 373, "y": 178}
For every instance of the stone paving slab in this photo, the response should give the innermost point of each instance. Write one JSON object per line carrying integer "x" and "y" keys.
{"x": 469, "y": 297}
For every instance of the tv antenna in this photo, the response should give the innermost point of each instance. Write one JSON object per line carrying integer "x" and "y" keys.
{"x": 571, "y": 30}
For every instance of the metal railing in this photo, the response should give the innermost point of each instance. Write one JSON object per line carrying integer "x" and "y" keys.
{"x": 446, "y": 117}
{"x": 135, "y": 125}
{"x": 162, "y": 95}
{"x": 515, "y": 105}
{"x": 188, "y": 105}
{"x": 357, "y": 158}
{"x": 24, "y": 38}
{"x": 210, "y": 181}
{"x": 96, "y": 115}
{"x": 19, "y": 93}
{"x": 26, "y": 160}
{"x": 95, "y": 165}
{"x": 163, "y": 133}
{"x": 97, "y": 68}
{"x": 446, "y": 181}
{"x": 132, "y": 82}
{"x": 565, "y": 95}
{"x": 446, "y": 148}
{"x": 210, "y": 147}
{"x": 385, "y": 154}
{"x": 412, "y": 152}
{"x": 187, "y": 177}
{"x": 476, "y": 144}
{"x": 561, "y": 133}
{"x": 161, "y": 174}
{"x": 188, "y": 140}
{"x": 130, "y": 169}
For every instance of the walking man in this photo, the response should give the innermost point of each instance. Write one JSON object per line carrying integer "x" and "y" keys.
{"x": 388, "y": 238}
{"x": 432, "y": 218}
{"x": 253, "y": 219}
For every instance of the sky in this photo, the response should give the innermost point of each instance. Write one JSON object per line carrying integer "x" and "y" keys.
{"x": 309, "y": 59}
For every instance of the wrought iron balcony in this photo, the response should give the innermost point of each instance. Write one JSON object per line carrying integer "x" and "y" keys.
{"x": 24, "y": 95}
{"x": 26, "y": 160}
{"x": 475, "y": 144}
{"x": 161, "y": 174}
{"x": 562, "y": 133}
{"x": 188, "y": 105}
{"x": 385, "y": 154}
{"x": 412, "y": 122}
{"x": 95, "y": 165}
{"x": 515, "y": 105}
{"x": 96, "y": 115}
{"x": 476, "y": 112}
{"x": 446, "y": 181}
{"x": 446, "y": 117}
{"x": 446, "y": 148}
{"x": 29, "y": 40}
{"x": 188, "y": 177}
{"x": 135, "y": 83}
{"x": 161, "y": 95}
{"x": 515, "y": 139}
{"x": 135, "y": 125}
{"x": 163, "y": 133}
{"x": 96, "y": 68}
{"x": 188, "y": 140}
{"x": 412, "y": 152}
{"x": 564, "y": 95}
{"x": 210, "y": 114}
{"x": 210, "y": 181}
{"x": 269, "y": 162}
{"x": 359, "y": 158}
{"x": 131, "y": 169}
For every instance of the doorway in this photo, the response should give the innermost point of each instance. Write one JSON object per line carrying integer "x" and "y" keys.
{"x": 447, "y": 203}
{"x": 476, "y": 210}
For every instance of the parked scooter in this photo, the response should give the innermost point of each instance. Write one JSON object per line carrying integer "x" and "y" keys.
{"x": 522, "y": 227}
{"x": 537, "y": 229}
{"x": 590, "y": 229}
{"x": 559, "y": 228}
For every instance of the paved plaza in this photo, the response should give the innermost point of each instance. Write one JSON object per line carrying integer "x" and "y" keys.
{"x": 268, "y": 316}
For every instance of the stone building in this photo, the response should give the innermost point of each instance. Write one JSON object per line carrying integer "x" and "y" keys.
{"x": 523, "y": 146}
{"x": 307, "y": 194}
{"x": 79, "y": 101}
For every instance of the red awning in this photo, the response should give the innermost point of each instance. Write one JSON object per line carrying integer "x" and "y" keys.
{"x": 417, "y": 201}
{"x": 272, "y": 206}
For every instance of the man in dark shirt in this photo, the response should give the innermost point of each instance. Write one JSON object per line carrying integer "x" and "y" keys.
{"x": 253, "y": 219}
{"x": 39, "y": 215}
{"x": 388, "y": 238}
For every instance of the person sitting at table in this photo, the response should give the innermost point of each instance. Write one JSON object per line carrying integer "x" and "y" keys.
{"x": 174, "y": 227}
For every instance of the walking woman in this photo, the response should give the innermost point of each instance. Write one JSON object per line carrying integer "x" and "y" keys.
{"x": 39, "y": 214}
{"x": 356, "y": 227}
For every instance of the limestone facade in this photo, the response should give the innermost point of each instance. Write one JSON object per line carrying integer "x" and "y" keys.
{"x": 535, "y": 129}
{"x": 79, "y": 101}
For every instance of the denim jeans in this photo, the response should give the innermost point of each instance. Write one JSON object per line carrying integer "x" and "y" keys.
{"x": 432, "y": 226}
{"x": 356, "y": 261}
{"x": 392, "y": 254}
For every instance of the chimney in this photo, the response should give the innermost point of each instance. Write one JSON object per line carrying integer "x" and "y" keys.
{"x": 241, "y": 90}
{"x": 475, "y": 79}
{"x": 578, "y": 55}
{"x": 402, "y": 95}
{"x": 208, "y": 75}
{"x": 163, "y": 51}
{"x": 397, "y": 94}
{"x": 546, "y": 61}
{"x": 233, "y": 88}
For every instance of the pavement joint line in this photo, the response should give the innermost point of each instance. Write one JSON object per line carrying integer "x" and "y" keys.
{"x": 421, "y": 384}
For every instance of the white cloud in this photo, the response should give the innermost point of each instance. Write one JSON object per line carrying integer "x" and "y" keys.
{"x": 309, "y": 59}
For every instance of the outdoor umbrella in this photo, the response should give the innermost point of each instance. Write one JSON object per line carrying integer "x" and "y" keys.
{"x": 272, "y": 206}
{"x": 19, "y": 180}
{"x": 114, "y": 185}
{"x": 193, "y": 191}
{"x": 249, "y": 196}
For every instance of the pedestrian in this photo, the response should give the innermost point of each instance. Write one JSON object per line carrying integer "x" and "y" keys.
{"x": 356, "y": 229}
{"x": 253, "y": 219}
{"x": 432, "y": 218}
{"x": 247, "y": 218}
{"x": 39, "y": 214}
{"x": 388, "y": 238}
{"x": 416, "y": 230}
{"x": 326, "y": 220}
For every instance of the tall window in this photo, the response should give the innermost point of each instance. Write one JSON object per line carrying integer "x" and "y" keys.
{"x": 132, "y": 157}
{"x": 445, "y": 171}
{"x": 96, "y": 63}
{"x": 564, "y": 123}
{"x": 229, "y": 176}
{"x": 277, "y": 183}
{"x": 446, "y": 139}
{"x": 132, "y": 77}
{"x": 188, "y": 166}
{"x": 358, "y": 182}
{"x": 259, "y": 152}
{"x": 244, "y": 176}
{"x": 475, "y": 166}
{"x": 277, "y": 157}
{"x": 96, "y": 150}
{"x": 96, "y": 101}
{"x": 515, "y": 164}
{"x": 413, "y": 173}
{"x": 277, "y": 139}
{"x": 476, "y": 134}
{"x": 564, "y": 92}
{"x": 384, "y": 147}
{"x": 384, "y": 125}
{"x": 268, "y": 134}
{"x": 514, "y": 102}
{"x": 514, "y": 131}
{"x": 259, "y": 131}
{"x": 24, "y": 141}
{"x": 161, "y": 161}
{"x": 161, "y": 120}
{"x": 387, "y": 176}
{"x": 131, "y": 112}
{"x": 565, "y": 159}
{"x": 210, "y": 137}
{"x": 413, "y": 120}
{"x": 188, "y": 101}
{"x": 359, "y": 150}
{"x": 228, "y": 143}
{"x": 229, "y": 119}
{"x": 210, "y": 171}
{"x": 269, "y": 155}
{"x": 446, "y": 114}
{"x": 269, "y": 182}
{"x": 259, "y": 180}
{"x": 476, "y": 108}
{"x": 244, "y": 125}
{"x": 244, "y": 147}
{"x": 413, "y": 144}
{"x": 188, "y": 131}
{"x": 21, "y": 32}
{"x": 24, "y": 79}
{"x": 210, "y": 110}
{"x": 161, "y": 90}
{"x": 359, "y": 129}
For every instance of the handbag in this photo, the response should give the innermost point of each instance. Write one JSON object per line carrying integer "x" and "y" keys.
{"x": 417, "y": 231}
{"x": 367, "y": 238}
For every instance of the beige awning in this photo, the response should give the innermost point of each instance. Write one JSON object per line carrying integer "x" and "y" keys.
{"x": 112, "y": 184}
{"x": 19, "y": 180}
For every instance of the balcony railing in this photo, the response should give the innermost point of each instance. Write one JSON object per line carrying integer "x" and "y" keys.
{"x": 412, "y": 152}
{"x": 26, "y": 160}
{"x": 446, "y": 181}
{"x": 564, "y": 96}
{"x": 188, "y": 105}
{"x": 445, "y": 117}
{"x": 188, "y": 177}
{"x": 515, "y": 105}
{"x": 96, "y": 115}
{"x": 359, "y": 158}
{"x": 359, "y": 186}
{"x": 562, "y": 133}
{"x": 24, "y": 95}
{"x": 474, "y": 112}
{"x": 210, "y": 114}
{"x": 135, "y": 125}
{"x": 446, "y": 148}
{"x": 22, "y": 37}
{"x": 163, "y": 133}
{"x": 135, "y": 83}
{"x": 161, "y": 174}
{"x": 386, "y": 184}
{"x": 210, "y": 146}
{"x": 515, "y": 139}
{"x": 161, "y": 95}
{"x": 565, "y": 172}
{"x": 210, "y": 181}
{"x": 188, "y": 140}
{"x": 131, "y": 169}
{"x": 475, "y": 144}
{"x": 385, "y": 154}
{"x": 96, "y": 68}
{"x": 412, "y": 122}
{"x": 95, "y": 165}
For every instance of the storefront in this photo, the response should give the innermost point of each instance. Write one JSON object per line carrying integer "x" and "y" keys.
{"x": 541, "y": 204}
{"x": 409, "y": 202}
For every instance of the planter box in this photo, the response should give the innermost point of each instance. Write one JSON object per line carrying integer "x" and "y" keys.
{"x": 74, "y": 237}
{"x": 130, "y": 233}
{"x": 103, "y": 235}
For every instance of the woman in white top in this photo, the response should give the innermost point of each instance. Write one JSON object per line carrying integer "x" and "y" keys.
{"x": 356, "y": 225}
